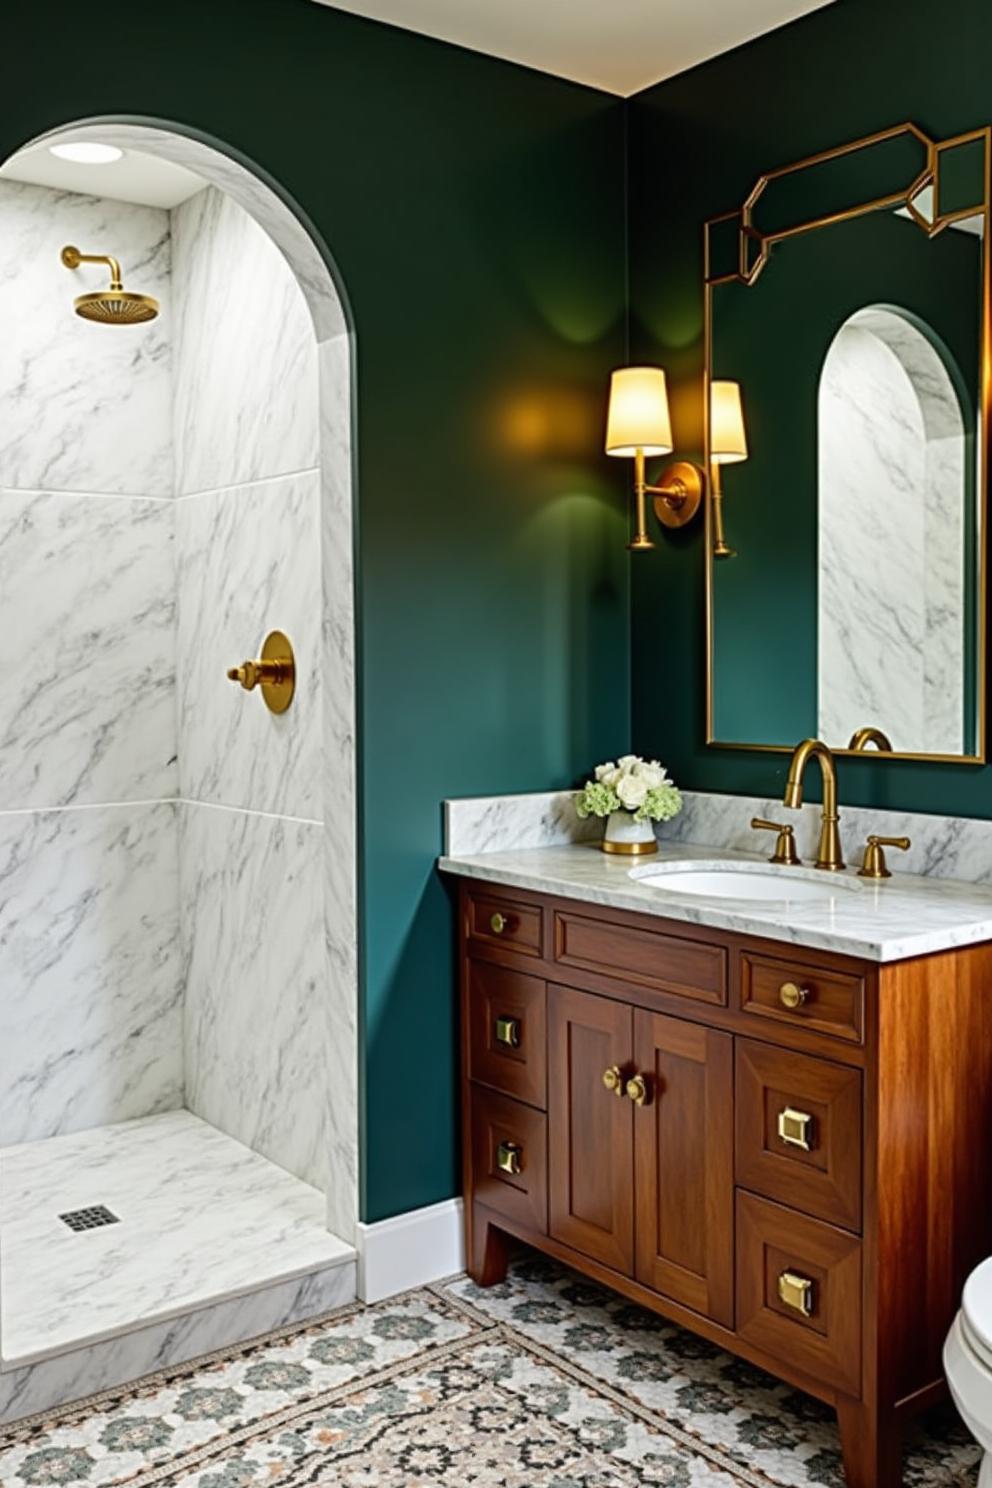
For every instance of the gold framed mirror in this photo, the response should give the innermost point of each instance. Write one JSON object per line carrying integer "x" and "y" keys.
{"x": 847, "y": 320}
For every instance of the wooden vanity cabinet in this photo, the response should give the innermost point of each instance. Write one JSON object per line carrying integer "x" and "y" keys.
{"x": 785, "y": 1150}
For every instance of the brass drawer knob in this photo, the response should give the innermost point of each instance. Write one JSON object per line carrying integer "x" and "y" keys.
{"x": 508, "y": 1032}
{"x": 796, "y": 1292}
{"x": 791, "y": 996}
{"x": 795, "y": 1128}
{"x": 613, "y": 1079}
{"x": 637, "y": 1090}
{"x": 509, "y": 1157}
{"x": 498, "y": 923}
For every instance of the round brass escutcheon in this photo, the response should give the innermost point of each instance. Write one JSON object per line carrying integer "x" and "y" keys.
{"x": 498, "y": 923}
{"x": 680, "y": 491}
{"x": 791, "y": 996}
{"x": 274, "y": 672}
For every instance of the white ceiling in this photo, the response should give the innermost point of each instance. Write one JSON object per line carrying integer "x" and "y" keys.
{"x": 144, "y": 180}
{"x": 618, "y": 45}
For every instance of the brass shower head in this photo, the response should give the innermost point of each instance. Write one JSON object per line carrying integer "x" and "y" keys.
{"x": 113, "y": 306}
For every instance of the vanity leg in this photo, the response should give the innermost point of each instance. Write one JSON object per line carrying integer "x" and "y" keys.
{"x": 488, "y": 1252}
{"x": 871, "y": 1445}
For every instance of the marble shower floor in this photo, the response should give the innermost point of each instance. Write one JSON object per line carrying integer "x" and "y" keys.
{"x": 202, "y": 1218}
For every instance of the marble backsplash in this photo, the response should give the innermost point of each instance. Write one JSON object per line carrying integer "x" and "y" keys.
{"x": 942, "y": 846}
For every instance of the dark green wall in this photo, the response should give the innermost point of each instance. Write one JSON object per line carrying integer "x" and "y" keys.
{"x": 475, "y": 213}
{"x": 697, "y": 143}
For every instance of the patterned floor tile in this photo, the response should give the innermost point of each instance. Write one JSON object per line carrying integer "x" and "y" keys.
{"x": 543, "y": 1382}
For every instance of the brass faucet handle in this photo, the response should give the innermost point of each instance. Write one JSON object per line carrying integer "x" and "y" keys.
{"x": 785, "y": 847}
{"x": 248, "y": 674}
{"x": 274, "y": 672}
{"x": 874, "y": 865}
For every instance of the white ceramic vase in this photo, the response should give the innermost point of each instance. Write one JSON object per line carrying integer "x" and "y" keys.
{"x": 622, "y": 834}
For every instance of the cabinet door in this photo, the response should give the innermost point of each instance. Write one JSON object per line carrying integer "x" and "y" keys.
{"x": 590, "y": 1129}
{"x": 683, "y": 1136}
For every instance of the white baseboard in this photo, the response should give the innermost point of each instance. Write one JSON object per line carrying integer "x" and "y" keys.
{"x": 410, "y": 1250}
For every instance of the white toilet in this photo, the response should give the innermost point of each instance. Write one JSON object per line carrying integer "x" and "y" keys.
{"x": 968, "y": 1363}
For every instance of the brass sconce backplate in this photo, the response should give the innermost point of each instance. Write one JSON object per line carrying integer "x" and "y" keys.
{"x": 678, "y": 494}
{"x": 274, "y": 672}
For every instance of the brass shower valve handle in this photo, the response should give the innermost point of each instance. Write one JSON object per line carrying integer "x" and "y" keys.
{"x": 274, "y": 672}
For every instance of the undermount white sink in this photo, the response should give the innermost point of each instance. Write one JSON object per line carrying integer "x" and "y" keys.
{"x": 755, "y": 882}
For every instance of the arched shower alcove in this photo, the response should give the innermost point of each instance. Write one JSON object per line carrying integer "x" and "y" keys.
{"x": 246, "y": 818}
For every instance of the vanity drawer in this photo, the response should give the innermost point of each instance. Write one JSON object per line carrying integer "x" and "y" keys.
{"x": 510, "y": 1158}
{"x": 799, "y": 1291}
{"x": 507, "y": 1013}
{"x": 830, "y": 1002}
{"x": 650, "y": 958}
{"x": 493, "y": 920}
{"x": 798, "y": 1135}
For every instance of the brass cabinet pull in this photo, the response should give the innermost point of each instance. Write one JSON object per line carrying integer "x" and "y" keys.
{"x": 508, "y": 1032}
{"x": 498, "y": 923}
{"x": 637, "y": 1090}
{"x": 796, "y": 1292}
{"x": 613, "y": 1079}
{"x": 795, "y": 1128}
{"x": 509, "y": 1157}
{"x": 791, "y": 996}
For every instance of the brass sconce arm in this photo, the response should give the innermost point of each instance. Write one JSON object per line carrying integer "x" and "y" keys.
{"x": 676, "y": 498}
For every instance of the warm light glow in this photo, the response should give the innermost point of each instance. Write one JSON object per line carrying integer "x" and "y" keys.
{"x": 728, "y": 440}
{"x": 87, "y": 152}
{"x": 638, "y": 418}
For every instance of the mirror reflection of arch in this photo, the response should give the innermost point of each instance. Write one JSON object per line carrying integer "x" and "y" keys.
{"x": 896, "y": 558}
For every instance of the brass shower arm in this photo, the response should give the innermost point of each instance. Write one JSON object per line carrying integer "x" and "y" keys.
{"x": 72, "y": 258}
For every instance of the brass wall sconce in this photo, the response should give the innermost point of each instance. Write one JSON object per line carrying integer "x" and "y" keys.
{"x": 274, "y": 672}
{"x": 728, "y": 446}
{"x": 639, "y": 424}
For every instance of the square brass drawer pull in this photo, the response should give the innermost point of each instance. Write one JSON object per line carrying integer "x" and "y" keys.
{"x": 509, "y": 1157}
{"x": 795, "y": 1128}
{"x": 508, "y": 1032}
{"x": 796, "y": 1292}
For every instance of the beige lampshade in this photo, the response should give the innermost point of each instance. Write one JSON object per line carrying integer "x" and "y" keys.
{"x": 728, "y": 439}
{"x": 638, "y": 418}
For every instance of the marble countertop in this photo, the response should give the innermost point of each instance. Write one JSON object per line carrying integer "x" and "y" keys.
{"x": 890, "y": 920}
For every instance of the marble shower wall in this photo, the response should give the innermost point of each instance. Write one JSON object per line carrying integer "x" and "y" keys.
{"x": 248, "y": 520}
{"x": 90, "y": 1011}
{"x": 892, "y": 534}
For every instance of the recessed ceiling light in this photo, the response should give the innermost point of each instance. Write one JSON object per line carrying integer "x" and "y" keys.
{"x": 86, "y": 152}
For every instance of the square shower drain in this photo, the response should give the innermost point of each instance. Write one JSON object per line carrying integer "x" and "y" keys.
{"x": 93, "y": 1218}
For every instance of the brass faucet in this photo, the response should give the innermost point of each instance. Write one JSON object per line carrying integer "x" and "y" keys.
{"x": 828, "y": 854}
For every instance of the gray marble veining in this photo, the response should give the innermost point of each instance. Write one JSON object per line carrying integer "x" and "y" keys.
{"x": 249, "y": 562}
{"x": 91, "y": 1013}
{"x": 256, "y": 1029}
{"x": 478, "y": 824}
{"x": 889, "y": 921}
{"x": 85, "y": 409}
{"x": 246, "y": 385}
{"x": 87, "y": 588}
{"x": 201, "y": 1218}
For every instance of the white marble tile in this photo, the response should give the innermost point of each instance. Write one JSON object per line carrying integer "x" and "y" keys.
{"x": 249, "y": 562}
{"x": 339, "y": 787}
{"x": 91, "y": 1017}
{"x": 891, "y": 531}
{"x": 246, "y": 389}
{"x": 87, "y": 596}
{"x": 201, "y": 1218}
{"x": 256, "y": 1009}
{"x": 83, "y": 407}
{"x": 479, "y": 824}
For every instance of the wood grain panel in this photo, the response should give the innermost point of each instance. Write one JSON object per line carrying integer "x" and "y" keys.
{"x": 652, "y": 958}
{"x": 590, "y": 1159}
{"x": 834, "y": 1002}
{"x": 520, "y": 922}
{"x": 517, "y": 1069}
{"x": 826, "y": 1181}
{"x": 683, "y": 1142}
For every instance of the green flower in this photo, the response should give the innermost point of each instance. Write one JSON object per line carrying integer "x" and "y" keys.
{"x": 661, "y": 803}
{"x": 596, "y": 799}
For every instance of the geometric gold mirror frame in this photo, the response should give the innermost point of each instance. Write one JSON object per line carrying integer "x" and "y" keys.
{"x": 849, "y": 298}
